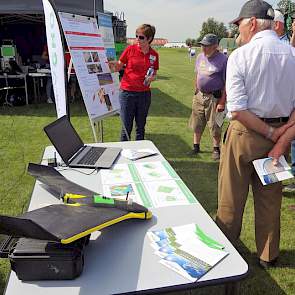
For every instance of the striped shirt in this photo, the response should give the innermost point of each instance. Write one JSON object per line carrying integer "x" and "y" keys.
{"x": 260, "y": 77}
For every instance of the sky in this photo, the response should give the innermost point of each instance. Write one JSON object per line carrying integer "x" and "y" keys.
{"x": 175, "y": 20}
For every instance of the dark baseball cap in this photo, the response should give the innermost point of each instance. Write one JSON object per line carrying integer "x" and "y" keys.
{"x": 209, "y": 39}
{"x": 257, "y": 8}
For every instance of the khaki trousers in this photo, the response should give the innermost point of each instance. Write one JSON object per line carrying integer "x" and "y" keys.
{"x": 236, "y": 173}
{"x": 203, "y": 111}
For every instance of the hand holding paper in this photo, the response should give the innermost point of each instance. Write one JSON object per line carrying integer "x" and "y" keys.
{"x": 270, "y": 173}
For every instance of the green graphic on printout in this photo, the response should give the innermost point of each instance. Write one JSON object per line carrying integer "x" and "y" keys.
{"x": 170, "y": 170}
{"x": 165, "y": 189}
{"x": 190, "y": 197}
{"x": 133, "y": 172}
{"x": 117, "y": 171}
{"x": 149, "y": 166}
{"x": 154, "y": 174}
{"x": 207, "y": 240}
{"x": 171, "y": 198}
{"x": 144, "y": 197}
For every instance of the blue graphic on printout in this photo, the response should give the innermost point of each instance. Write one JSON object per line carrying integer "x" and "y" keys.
{"x": 104, "y": 20}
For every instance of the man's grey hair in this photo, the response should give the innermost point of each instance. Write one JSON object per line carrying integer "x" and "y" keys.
{"x": 262, "y": 24}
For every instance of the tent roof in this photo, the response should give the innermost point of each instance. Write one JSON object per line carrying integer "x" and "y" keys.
{"x": 82, "y": 7}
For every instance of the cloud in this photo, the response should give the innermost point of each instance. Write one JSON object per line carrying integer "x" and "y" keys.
{"x": 174, "y": 20}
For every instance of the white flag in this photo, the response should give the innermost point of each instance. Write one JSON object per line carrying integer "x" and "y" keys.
{"x": 56, "y": 58}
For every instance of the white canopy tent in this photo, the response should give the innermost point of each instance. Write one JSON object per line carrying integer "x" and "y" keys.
{"x": 82, "y": 7}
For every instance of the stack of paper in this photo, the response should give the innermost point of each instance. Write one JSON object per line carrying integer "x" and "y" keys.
{"x": 187, "y": 250}
{"x": 219, "y": 118}
{"x": 270, "y": 173}
{"x": 137, "y": 154}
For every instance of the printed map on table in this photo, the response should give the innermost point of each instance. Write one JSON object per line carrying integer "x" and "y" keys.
{"x": 152, "y": 184}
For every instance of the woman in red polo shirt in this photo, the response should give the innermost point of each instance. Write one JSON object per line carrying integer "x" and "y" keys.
{"x": 141, "y": 65}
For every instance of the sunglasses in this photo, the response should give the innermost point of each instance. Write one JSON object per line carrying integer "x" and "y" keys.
{"x": 140, "y": 37}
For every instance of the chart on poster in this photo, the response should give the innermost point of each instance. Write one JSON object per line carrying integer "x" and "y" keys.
{"x": 100, "y": 93}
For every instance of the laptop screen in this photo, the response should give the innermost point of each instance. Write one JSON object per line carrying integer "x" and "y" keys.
{"x": 64, "y": 138}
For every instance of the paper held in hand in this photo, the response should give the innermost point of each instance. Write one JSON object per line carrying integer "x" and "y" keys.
{"x": 219, "y": 118}
{"x": 137, "y": 154}
{"x": 270, "y": 173}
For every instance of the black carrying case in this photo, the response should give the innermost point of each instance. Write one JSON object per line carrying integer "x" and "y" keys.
{"x": 34, "y": 260}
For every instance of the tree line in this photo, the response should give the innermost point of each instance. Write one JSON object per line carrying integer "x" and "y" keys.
{"x": 221, "y": 31}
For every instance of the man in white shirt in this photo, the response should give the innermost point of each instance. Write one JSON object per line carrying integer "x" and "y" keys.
{"x": 279, "y": 28}
{"x": 260, "y": 98}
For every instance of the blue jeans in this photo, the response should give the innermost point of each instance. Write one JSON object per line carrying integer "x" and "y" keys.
{"x": 134, "y": 105}
{"x": 293, "y": 157}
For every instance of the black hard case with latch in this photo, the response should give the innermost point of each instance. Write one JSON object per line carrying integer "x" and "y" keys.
{"x": 34, "y": 260}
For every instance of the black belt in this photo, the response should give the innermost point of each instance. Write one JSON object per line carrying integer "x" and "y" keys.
{"x": 275, "y": 120}
{"x": 207, "y": 93}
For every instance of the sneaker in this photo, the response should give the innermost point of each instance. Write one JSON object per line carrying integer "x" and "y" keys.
{"x": 216, "y": 155}
{"x": 289, "y": 188}
{"x": 49, "y": 100}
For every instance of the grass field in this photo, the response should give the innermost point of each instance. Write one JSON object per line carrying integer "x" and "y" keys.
{"x": 22, "y": 141}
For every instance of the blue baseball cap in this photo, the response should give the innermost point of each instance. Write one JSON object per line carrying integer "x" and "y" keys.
{"x": 209, "y": 39}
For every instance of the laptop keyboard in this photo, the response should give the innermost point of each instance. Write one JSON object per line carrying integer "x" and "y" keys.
{"x": 92, "y": 156}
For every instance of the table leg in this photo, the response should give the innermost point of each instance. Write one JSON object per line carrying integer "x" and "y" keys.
{"x": 35, "y": 90}
{"x": 26, "y": 90}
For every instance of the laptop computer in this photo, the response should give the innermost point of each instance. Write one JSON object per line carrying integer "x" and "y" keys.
{"x": 72, "y": 149}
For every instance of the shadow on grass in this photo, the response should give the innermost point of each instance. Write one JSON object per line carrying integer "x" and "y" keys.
{"x": 200, "y": 176}
{"x": 172, "y": 108}
{"x": 166, "y": 106}
{"x": 2, "y": 282}
{"x": 77, "y": 109}
{"x": 170, "y": 145}
{"x": 289, "y": 195}
{"x": 160, "y": 77}
{"x": 259, "y": 280}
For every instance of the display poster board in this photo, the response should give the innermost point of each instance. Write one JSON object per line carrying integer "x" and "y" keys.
{"x": 100, "y": 93}
{"x": 56, "y": 58}
{"x": 105, "y": 26}
{"x": 106, "y": 30}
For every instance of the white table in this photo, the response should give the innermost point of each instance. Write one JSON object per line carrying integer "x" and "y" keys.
{"x": 37, "y": 79}
{"x": 19, "y": 76}
{"x": 121, "y": 260}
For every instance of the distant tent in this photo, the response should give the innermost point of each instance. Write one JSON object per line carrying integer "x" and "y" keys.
{"x": 228, "y": 43}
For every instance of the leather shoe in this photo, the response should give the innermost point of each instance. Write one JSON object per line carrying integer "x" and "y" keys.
{"x": 268, "y": 264}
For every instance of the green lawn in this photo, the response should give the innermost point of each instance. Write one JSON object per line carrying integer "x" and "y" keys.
{"x": 22, "y": 140}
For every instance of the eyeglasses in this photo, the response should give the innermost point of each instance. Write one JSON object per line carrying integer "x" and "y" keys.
{"x": 140, "y": 37}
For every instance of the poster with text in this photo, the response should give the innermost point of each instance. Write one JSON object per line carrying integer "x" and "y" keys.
{"x": 100, "y": 93}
